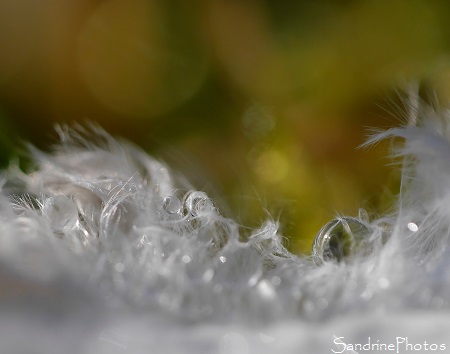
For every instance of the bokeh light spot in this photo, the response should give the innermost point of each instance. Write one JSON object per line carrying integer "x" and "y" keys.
{"x": 271, "y": 166}
{"x": 136, "y": 62}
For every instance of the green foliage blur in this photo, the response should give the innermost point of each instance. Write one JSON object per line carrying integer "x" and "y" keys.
{"x": 261, "y": 103}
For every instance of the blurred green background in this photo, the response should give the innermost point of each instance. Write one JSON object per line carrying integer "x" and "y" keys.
{"x": 261, "y": 103}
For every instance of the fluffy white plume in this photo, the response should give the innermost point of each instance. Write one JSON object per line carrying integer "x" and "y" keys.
{"x": 104, "y": 250}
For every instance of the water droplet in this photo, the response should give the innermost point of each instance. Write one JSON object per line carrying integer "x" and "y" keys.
{"x": 341, "y": 239}
{"x": 172, "y": 205}
{"x": 198, "y": 203}
{"x": 413, "y": 227}
{"x": 61, "y": 212}
{"x": 132, "y": 189}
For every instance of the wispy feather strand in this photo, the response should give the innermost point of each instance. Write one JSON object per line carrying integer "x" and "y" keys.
{"x": 105, "y": 250}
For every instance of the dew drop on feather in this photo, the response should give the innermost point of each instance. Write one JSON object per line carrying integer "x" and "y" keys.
{"x": 172, "y": 205}
{"x": 61, "y": 212}
{"x": 341, "y": 239}
{"x": 198, "y": 203}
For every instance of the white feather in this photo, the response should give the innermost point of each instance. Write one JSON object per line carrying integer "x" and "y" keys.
{"x": 104, "y": 250}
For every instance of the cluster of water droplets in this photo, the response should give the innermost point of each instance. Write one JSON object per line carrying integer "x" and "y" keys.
{"x": 139, "y": 238}
{"x": 117, "y": 222}
{"x": 219, "y": 275}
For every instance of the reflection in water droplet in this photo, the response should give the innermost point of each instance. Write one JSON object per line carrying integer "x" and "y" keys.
{"x": 223, "y": 259}
{"x": 172, "y": 205}
{"x": 341, "y": 239}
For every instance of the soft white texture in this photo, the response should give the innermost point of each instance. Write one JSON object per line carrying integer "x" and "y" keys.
{"x": 104, "y": 250}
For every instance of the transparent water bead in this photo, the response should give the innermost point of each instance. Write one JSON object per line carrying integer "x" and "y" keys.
{"x": 341, "y": 239}
{"x": 61, "y": 212}
{"x": 197, "y": 203}
{"x": 172, "y": 205}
